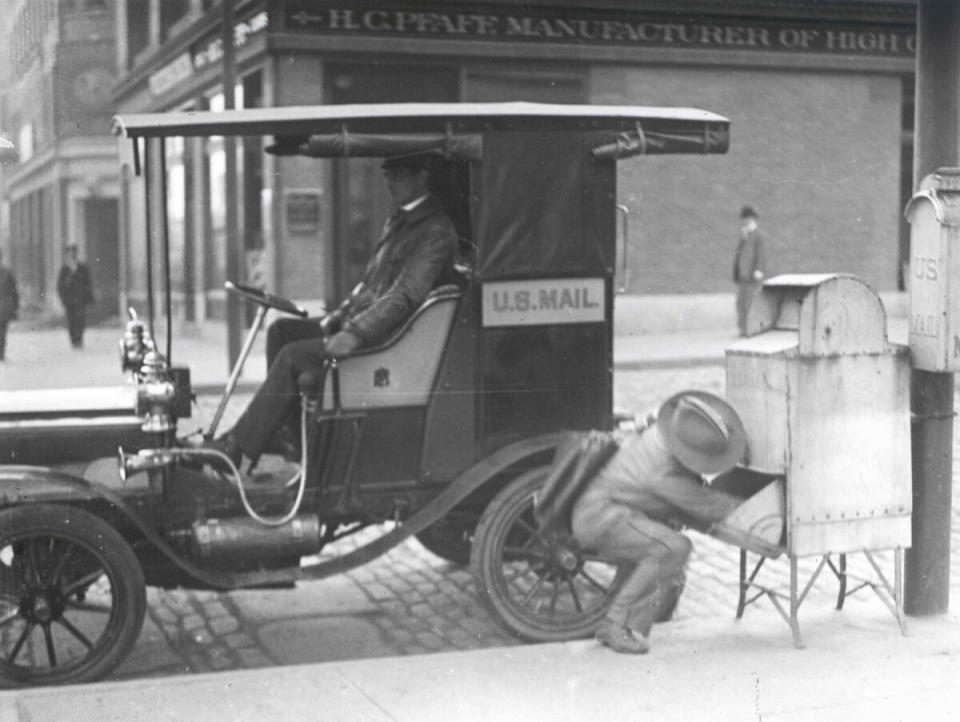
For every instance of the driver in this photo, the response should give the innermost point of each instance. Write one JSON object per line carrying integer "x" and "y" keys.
{"x": 630, "y": 511}
{"x": 417, "y": 252}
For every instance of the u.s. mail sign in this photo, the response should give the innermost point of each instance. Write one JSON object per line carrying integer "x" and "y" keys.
{"x": 543, "y": 301}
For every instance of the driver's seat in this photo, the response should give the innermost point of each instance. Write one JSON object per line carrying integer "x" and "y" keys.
{"x": 401, "y": 371}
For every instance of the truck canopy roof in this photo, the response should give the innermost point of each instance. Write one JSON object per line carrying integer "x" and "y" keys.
{"x": 367, "y": 129}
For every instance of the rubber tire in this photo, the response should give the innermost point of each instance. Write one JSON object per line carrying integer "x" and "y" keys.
{"x": 119, "y": 563}
{"x": 493, "y": 529}
{"x": 450, "y": 539}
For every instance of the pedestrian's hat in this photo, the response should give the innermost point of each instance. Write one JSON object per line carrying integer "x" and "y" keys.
{"x": 748, "y": 212}
{"x": 425, "y": 159}
{"x": 703, "y": 431}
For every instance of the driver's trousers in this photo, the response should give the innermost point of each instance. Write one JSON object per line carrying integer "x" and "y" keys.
{"x": 287, "y": 330}
{"x": 278, "y": 398}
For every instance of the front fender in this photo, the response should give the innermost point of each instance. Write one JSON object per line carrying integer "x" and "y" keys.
{"x": 37, "y": 484}
{"x": 502, "y": 459}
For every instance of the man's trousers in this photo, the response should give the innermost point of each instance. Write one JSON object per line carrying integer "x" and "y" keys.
{"x": 624, "y": 535}
{"x": 76, "y": 324}
{"x": 746, "y": 292}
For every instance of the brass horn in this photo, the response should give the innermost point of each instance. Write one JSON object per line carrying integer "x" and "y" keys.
{"x": 143, "y": 460}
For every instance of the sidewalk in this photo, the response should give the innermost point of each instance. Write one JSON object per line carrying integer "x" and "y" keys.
{"x": 854, "y": 667}
{"x": 42, "y": 358}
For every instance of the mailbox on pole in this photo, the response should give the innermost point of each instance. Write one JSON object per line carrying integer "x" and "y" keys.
{"x": 934, "y": 280}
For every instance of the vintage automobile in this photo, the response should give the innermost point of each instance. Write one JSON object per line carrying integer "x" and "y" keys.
{"x": 445, "y": 431}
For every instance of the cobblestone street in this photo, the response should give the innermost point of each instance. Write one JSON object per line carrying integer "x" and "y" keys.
{"x": 411, "y": 602}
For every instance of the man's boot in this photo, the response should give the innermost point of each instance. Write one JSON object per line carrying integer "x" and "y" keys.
{"x": 621, "y": 638}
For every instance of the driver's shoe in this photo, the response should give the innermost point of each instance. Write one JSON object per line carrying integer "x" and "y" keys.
{"x": 621, "y": 639}
{"x": 285, "y": 443}
{"x": 227, "y": 445}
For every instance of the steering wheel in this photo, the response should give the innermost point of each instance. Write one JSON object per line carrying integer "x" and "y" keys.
{"x": 266, "y": 299}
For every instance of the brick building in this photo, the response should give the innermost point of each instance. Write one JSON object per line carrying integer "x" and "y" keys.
{"x": 59, "y": 69}
{"x": 819, "y": 95}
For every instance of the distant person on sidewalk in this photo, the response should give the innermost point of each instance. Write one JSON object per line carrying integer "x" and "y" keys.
{"x": 9, "y": 304}
{"x": 76, "y": 293}
{"x": 749, "y": 264}
{"x": 630, "y": 512}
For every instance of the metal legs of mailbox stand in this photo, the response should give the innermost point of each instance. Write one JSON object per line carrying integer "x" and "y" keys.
{"x": 890, "y": 595}
{"x": 775, "y": 597}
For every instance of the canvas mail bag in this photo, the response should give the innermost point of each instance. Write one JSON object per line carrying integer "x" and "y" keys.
{"x": 576, "y": 462}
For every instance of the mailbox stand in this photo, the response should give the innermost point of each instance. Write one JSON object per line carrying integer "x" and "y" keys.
{"x": 890, "y": 594}
{"x": 824, "y": 398}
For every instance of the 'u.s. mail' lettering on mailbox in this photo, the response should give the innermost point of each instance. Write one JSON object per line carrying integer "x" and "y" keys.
{"x": 543, "y": 301}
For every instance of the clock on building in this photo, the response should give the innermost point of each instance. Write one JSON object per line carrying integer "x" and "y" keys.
{"x": 92, "y": 86}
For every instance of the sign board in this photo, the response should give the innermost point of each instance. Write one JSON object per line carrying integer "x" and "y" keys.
{"x": 207, "y": 52}
{"x": 543, "y": 301}
{"x": 934, "y": 280}
{"x": 626, "y": 27}
{"x": 302, "y": 211}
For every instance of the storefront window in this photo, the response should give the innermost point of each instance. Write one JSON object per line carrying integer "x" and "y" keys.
{"x": 216, "y": 244}
{"x": 255, "y": 261}
{"x": 502, "y": 86}
{"x": 216, "y": 271}
{"x": 177, "y": 215}
{"x": 138, "y": 28}
{"x": 171, "y": 11}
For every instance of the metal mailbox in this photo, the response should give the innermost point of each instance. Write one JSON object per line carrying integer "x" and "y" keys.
{"x": 824, "y": 398}
{"x": 934, "y": 216}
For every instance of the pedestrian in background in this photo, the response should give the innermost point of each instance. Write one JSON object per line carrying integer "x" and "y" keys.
{"x": 748, "y": 265}
{"x": 76, "y": 293}
{"x": 9, "y": 304}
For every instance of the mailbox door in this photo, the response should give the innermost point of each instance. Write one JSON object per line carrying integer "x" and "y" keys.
{"x": 929, "y": 273}
{"x": 849, "y": 478}
{"x": 757, "y": 387}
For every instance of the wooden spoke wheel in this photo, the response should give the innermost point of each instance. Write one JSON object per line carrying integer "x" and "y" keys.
{"x": 541, "y": 587}
{"x": 72, "y": 596}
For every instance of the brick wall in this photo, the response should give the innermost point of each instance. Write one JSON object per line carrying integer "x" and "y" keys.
{"x": 816, "y": 154}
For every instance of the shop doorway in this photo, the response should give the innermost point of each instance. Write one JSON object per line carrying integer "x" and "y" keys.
{"x": 101, "y": 231}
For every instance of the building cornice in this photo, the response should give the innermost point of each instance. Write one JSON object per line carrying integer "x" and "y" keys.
{"x": 876, "y": 11}
{"x": 133, "y": 81}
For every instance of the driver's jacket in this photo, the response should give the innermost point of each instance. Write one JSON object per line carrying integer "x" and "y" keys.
{"x": 416, "y": 253}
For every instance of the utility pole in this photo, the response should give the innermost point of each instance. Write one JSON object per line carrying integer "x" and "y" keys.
{"x": 234, "y": 243}
{"x": 936, "y": 145}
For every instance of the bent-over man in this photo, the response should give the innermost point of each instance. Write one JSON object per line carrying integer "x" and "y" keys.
{"x": 630, "y": 511}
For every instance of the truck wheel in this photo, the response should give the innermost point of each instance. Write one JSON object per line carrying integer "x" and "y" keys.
{"x": 72, "y": 596}
{"x": 450, "y": 537}
{"x": 543, "y": 588}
